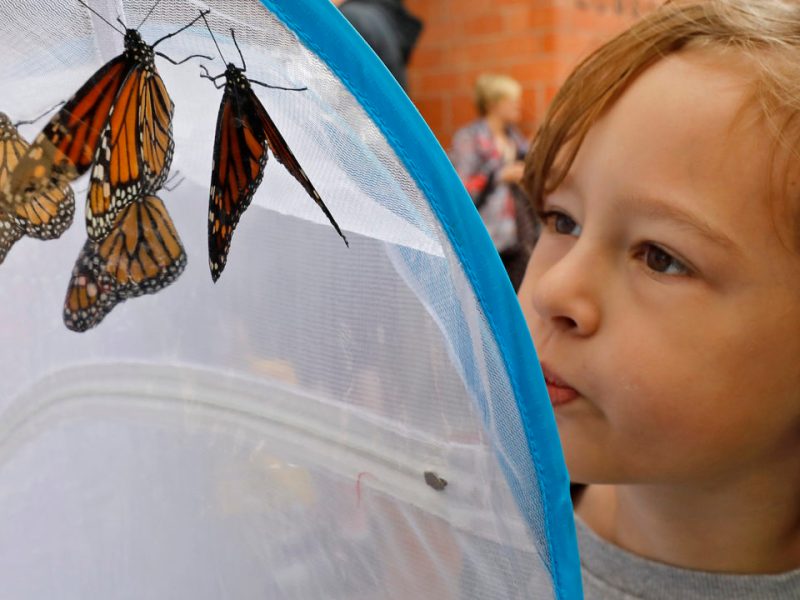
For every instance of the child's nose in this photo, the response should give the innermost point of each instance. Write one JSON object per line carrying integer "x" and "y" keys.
{"x": 567, "y": 293}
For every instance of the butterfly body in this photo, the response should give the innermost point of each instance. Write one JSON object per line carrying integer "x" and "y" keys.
{"x": 138, "y": 51}
{"x": 46, "y": 215}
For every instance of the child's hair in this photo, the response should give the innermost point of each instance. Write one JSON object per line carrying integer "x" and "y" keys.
{"x": 490, "y": 88}
{"x": 766, "y": 33}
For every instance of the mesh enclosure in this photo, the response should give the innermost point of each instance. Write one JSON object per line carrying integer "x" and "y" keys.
{"x": 269, "y": 436}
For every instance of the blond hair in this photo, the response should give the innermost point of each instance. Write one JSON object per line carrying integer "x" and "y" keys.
{"x": 765, "y": 32}
{"x": 489, "y": 88}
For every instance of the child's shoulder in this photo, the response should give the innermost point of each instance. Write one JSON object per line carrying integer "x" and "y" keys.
{"x": 611, "y": 573}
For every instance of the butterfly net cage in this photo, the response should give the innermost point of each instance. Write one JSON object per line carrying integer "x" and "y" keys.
{"x": 324, "y": 421}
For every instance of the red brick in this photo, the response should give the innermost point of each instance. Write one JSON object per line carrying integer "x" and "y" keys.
{"x": 469, "y": 9}
{"x": 425, "y": 57}
{"x": 549, "y": 41}
{"x": 550, "y": 92}
{"x": 529, "y": 111}
{"x": 445, "y": 81}
{"x": 504, "y": 49}
{"x": 577, "y": 44}
{"x": 438, "y": 33}
{"x": 497, "y": 3}
{"x": 534, "y": 70}
{"x": 564, "y": 67}
{"x": 414, "y": 79}
{"x": 432, "y": 110}
{"x": 592, "y": 19}
{"x": 463, "y": 110}
{"x": 538, "y": 42}
{"x": 544, "y": 17}
{"x": 515, "y": 19}
{"x": 489, "y": 24}
{"x": 457, "y": 56}
{"x": 430, "y": 11}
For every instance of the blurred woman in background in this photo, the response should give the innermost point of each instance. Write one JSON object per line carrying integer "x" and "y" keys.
{"x": 488, "y": 155}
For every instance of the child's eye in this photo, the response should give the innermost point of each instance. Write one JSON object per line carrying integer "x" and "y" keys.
{"x": 560, "y": 223}
{"x": 661, "y": 261}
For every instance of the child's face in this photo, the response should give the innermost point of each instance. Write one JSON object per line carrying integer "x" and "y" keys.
{"x": 662, "y": 293}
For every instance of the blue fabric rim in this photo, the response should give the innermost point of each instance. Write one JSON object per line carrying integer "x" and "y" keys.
{"x": 322, "y": 29}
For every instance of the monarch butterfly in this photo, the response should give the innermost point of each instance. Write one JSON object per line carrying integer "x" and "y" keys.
{"x": 46, "y": 215}
{"x": 120, "y": 120}
{"x": 244, "y": 132}
{"x": 141, "y": 255}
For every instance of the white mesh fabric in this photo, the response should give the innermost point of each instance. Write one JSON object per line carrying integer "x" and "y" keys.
{"x": 264, "y": 437}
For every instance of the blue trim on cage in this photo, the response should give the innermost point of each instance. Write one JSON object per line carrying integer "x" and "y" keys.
{"x": 324, "y": 31}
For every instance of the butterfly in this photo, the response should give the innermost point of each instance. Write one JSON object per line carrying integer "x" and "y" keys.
{"x": 45, "y": 215}
{"x": 244, "y": 133}
{"x": 142, "y": 254}
{"x": 120, "y": 121}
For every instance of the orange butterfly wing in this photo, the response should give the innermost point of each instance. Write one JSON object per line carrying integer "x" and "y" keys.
{"x": 155, "y": 116}
{"x": 240, "y": 154}
{"x": 135, "y": 149}
{"x": 9, "y": 234}
{"x": 46, "y": 215}
{"x": 143, "y": 251}
{"x": 280, "y": 149}
{"x": 11, "y": 147}
{"x": 65, "y": 148}
{"x": 92, "y": 292}
{"x": 142, "y": 255}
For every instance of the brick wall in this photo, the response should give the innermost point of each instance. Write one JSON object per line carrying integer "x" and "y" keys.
{"x": 537, "y": 42}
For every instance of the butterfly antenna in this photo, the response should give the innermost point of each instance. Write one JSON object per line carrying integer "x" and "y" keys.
{"x": 48, "y": 111}
{"x": 235, "y": 43}
{"x": 169, "y": 35}
{"x": 212, "y": 36}
{"x": 101, "y": 17}
{"x": 149, "y": 12}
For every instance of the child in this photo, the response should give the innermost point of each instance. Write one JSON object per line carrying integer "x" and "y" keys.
{"x": 663, "y": 298}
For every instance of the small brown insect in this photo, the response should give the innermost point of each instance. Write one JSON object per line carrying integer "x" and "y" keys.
{"x": 433, "y": 480}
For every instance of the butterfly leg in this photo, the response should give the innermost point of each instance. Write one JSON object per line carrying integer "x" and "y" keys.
{"x": 180, "y": 62}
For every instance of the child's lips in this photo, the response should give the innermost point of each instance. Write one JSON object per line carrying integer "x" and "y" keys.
{"x": 560, "y": 391}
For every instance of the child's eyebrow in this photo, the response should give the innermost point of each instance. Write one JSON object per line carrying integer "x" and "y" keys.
{"x": 655, "y": 208}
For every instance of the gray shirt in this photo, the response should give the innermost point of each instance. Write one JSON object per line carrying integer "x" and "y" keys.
{"x": 610, "y": 573}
